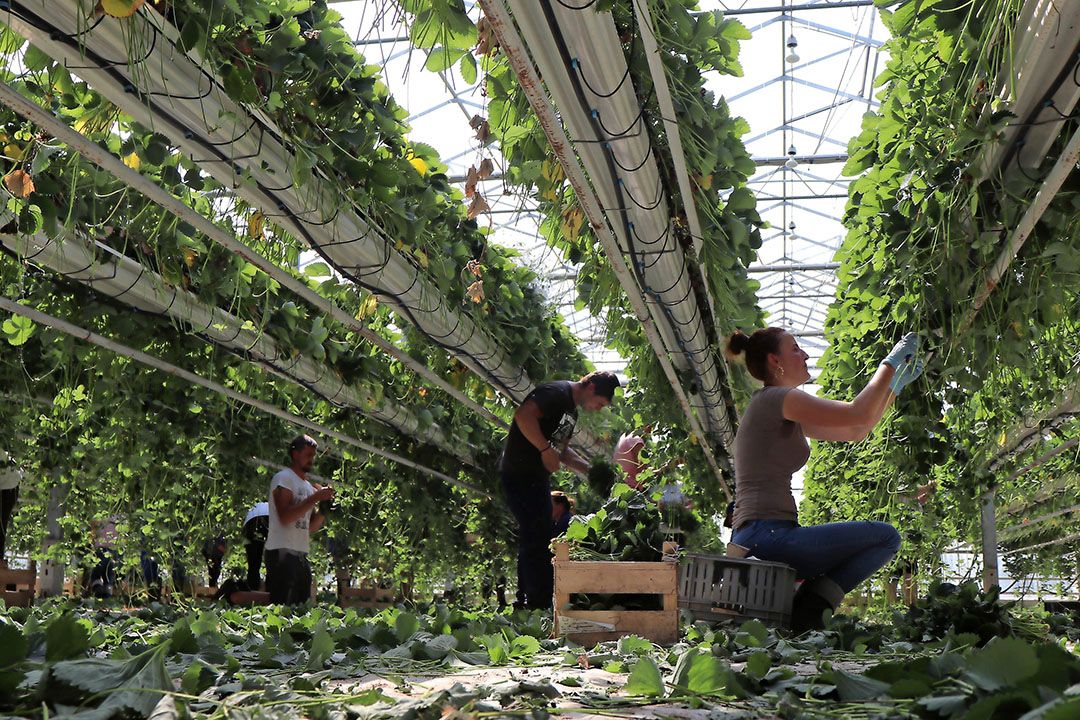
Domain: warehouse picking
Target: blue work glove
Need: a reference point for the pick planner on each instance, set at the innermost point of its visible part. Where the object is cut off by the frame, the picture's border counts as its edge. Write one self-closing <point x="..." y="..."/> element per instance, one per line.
<point x="905" y="375"/>
<point x="903" y="351"/>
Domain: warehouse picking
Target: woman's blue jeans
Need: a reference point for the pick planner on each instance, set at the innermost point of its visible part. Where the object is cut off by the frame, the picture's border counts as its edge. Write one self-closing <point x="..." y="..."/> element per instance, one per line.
<point x="847" y="552"/>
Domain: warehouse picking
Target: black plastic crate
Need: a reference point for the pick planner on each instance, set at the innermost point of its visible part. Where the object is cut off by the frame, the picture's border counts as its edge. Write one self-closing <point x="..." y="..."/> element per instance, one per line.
<point x="715" y="587"/>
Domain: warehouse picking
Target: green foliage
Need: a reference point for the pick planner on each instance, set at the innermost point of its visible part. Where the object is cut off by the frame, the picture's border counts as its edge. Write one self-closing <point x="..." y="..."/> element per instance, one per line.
<point x="963" y="611"/>
<point x="627" y="527"/>
<point x="295" y="62"/>
<point x="924" y="225"/>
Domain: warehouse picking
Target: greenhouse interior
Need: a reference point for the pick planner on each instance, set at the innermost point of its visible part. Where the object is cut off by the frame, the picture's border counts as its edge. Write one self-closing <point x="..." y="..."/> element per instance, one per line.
<point x="470" y="359"/>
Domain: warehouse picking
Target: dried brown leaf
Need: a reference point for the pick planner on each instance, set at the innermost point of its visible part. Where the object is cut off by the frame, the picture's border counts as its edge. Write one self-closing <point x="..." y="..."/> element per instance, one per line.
<point x="19" y="183"/>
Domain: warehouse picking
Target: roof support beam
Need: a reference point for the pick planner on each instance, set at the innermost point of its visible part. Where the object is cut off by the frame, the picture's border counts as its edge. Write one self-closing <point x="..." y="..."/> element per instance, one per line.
<point x="826" y="29"/>
<point x="795" y="267"/>
<point x="779" y="160"/>
<point x="798" y="8"/>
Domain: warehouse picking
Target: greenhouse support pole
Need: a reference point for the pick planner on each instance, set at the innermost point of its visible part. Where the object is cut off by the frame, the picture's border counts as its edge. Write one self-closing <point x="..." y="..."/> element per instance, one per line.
<point x="113" y="165"/>
<point x="989" y="541"/>
<point x="170" y="369"/>
<point x="51" y="573"/>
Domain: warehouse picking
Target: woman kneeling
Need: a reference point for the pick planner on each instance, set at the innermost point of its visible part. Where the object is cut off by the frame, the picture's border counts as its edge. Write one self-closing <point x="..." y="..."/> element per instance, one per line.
<point x="770" y="446"/>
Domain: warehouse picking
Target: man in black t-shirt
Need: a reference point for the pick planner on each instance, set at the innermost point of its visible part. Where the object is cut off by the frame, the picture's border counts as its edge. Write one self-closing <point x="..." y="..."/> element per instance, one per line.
<point x="537" y="446"/>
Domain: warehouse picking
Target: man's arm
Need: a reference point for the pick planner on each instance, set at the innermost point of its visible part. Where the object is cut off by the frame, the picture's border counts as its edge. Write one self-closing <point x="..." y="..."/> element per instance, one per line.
<point x="572" y="460"/>
<point x="289" y="513"/>
<point x="527" y="418"/>
<point x="317" y="521"/>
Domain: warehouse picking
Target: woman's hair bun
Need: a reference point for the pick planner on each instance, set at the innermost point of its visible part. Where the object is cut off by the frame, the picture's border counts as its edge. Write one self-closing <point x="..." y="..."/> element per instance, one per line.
<point x="737" y="344"/>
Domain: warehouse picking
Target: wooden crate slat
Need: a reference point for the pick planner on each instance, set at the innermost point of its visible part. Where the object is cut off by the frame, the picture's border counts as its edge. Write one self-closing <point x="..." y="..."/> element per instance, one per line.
<point x="633" y="577"/>
<point x="646" y="578"/>
<point x="17" y="598"/>
<point x="591" y="626"/>
<point x="26" y="578"/>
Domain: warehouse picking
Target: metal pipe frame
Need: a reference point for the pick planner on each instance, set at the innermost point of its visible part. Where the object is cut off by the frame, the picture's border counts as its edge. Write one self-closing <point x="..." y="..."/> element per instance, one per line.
<point x="780" y="160"/>
<point x="795" y="267"/>
<point x="736" y="12"/>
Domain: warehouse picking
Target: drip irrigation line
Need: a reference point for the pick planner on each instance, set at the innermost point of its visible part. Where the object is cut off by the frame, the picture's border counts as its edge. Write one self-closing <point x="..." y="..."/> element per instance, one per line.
<point x="575" y="64"/>
<point x="190" y="377"/>
<point x="108" y="162"/>
<point x="661" y="196"/>
<point x="1047" y="100"/>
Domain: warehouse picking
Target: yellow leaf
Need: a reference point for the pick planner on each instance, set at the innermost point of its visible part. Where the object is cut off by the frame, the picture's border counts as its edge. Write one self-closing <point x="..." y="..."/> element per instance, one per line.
<point x="1002" y="438"/>
<point x="121" y="8"/>
<point x="476" y="291"/>
<point x="256" y="225"/>
<point x="19" y="183"/>
<point x="367" y="307"/>
<point x="132" y="161"/>
<point x="549" y="194"/>
<point x="421" y="257"/>
<point x="572" y="221"/>
<point x="189" y="257"/>
<point x="552" y="171"/>
<point x="14" y="152"/>
<point x="418" y="164"/>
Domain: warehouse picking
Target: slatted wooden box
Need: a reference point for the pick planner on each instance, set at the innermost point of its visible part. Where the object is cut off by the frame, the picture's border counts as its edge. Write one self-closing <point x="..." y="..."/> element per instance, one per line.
<point x="636" y="578"/>
<point x="25" y="582"/>
<point x="717" y="587"/>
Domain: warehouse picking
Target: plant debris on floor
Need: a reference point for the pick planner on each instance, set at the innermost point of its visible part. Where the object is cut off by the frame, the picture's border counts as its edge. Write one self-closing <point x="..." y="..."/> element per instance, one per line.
<point x="101" y="662"/>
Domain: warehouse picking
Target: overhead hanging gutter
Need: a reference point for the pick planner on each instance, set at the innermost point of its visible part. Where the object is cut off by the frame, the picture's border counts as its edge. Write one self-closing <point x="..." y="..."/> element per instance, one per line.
<point x="608" y="130"/>
<point x="671" y="129"/>
<point x="1037" y="87"/>
<point x="1049" y="189"/>
<point x="113" y="165"/>
<point x="1067" y="404"/>
<point x="511" y="43"/>
<point x="190" y="377"/>
<point x="117" y="276"/>
<point x="170" y="93"/>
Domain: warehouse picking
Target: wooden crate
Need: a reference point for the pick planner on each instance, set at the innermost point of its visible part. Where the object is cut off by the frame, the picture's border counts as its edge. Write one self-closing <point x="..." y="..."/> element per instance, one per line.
<point x="366" y="596"/>
<point x="25" y="582"/>
<point x="592" y="626"/>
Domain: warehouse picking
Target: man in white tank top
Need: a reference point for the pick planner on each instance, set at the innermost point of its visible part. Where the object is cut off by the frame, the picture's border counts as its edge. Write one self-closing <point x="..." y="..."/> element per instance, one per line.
<point x="293" y="518"/>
